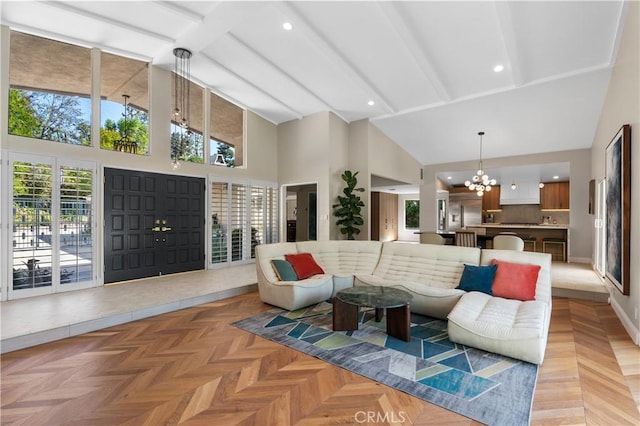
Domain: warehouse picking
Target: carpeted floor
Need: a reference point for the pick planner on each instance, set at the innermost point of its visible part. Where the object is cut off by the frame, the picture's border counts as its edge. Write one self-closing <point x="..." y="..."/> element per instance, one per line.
<point x="486" y="387"/>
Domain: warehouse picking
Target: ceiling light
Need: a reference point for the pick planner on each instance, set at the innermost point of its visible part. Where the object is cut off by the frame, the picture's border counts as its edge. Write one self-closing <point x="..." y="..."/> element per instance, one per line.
<point x="541" y="185"/>
<point x="371" y="103"/>
<point x="449" y="177"/>
<point x="480" y="182"/>
<point x="498" y="68"/>
<point x="513" y="185"/>
<point x="556" y="177"/>
<point x="181" y="87"/>
<point x="288" y="26"/>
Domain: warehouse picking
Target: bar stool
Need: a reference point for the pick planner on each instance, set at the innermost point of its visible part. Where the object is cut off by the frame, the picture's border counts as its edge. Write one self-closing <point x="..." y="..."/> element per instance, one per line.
<point x="529" y="239"/>
<point x="550" y="242"/>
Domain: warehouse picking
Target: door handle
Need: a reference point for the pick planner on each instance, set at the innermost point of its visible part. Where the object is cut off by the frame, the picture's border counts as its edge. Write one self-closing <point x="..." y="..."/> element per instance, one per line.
<point x="165" y="229"/>
<point x="156" y="229"/>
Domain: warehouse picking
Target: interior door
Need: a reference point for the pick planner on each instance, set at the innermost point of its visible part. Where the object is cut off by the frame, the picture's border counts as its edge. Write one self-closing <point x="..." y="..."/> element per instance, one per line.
<point x="154" y="224"/>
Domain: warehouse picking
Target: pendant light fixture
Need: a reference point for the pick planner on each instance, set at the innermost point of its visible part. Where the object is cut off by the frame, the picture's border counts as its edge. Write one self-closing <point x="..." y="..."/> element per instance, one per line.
<point x="480" y="182"/>
<point x="124" y="143"/>
<point x="181" y="97"/>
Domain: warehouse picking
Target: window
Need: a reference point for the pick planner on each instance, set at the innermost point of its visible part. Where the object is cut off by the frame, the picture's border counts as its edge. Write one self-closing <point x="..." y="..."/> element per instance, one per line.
<point x="242" y="217"/>
<point x="187" y="144"/>
<point x="412" y="214"/>
<point x="52" y="221"/>
<point x="124" y="129"/>
<point x="50" y="90"/>
<point x="225" y="132"/>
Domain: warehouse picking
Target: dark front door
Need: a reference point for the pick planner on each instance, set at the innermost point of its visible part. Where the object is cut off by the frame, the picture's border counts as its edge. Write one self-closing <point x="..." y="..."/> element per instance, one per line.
<point x="154" y="224"/>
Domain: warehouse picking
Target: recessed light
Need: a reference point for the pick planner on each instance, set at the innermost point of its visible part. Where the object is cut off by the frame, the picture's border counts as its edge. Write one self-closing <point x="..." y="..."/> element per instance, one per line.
<point x="498" y="68"/>
<point x="371" y="103"/>
<point x="288" y="26"/>
<point x="556" y="177"/>
<point x="449" y="177"/>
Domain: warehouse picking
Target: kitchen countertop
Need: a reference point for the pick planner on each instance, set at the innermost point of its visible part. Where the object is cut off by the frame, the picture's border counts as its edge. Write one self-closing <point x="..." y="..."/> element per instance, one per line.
<point x="515" y="225"/>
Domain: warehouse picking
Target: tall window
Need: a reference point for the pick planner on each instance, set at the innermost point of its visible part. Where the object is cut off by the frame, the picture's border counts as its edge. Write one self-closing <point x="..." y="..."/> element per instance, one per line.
<point x="242" y="216"/>
<point x="187" y="144"/>
<point x="50" y="90"/>
<point x="412" y="214"/>
<point x="225" y="132"/>
<point x="124" y="104"/>
<point x="52" y="225"/>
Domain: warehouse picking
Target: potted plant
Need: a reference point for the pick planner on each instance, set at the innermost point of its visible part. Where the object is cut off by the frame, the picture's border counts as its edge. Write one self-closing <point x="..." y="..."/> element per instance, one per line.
<point x="349" y="207"/>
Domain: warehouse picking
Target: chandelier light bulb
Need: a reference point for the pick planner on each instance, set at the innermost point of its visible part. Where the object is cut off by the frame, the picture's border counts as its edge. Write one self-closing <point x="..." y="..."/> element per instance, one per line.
<point x="175" y="164"/>
<point x="481" y="182"/>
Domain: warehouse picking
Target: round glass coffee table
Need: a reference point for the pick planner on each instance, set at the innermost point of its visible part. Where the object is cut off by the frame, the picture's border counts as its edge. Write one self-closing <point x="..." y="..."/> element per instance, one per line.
<point x="347" y="303"/>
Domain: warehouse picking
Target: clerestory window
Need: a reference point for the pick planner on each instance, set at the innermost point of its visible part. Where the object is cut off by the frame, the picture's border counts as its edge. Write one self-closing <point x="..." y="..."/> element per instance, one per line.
<point x="49" y="90"/>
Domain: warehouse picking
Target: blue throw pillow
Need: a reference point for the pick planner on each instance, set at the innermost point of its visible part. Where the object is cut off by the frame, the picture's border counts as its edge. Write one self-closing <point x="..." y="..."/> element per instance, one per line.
<point x="478" y="278"/>
<point x="284" y="270"/>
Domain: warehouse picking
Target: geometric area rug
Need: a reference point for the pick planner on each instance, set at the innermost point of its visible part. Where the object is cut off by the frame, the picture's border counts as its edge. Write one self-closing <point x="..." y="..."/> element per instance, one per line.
<point x="486" y="387"/>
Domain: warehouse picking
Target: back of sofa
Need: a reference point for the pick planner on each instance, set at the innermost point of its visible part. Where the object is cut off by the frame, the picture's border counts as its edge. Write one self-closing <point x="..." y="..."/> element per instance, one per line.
<point x="543" y="285"/>
<point x="267" y="252"/>
<point x="433" y="265"/>
<point x="343" y="257"/>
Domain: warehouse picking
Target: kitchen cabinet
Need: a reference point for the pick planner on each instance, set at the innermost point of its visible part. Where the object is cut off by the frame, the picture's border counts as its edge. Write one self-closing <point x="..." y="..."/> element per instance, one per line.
<point x="384" y="216"/>
<point x="491" y="199"/>
<point x="554" y="196"/>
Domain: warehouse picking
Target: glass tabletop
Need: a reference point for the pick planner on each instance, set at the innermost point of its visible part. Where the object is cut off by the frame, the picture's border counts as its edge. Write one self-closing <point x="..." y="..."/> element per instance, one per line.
<point x="374" y="296"/>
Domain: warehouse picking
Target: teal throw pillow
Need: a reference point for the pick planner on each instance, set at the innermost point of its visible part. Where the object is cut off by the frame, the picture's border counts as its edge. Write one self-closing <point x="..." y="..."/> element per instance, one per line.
<point x="284" y="270"/>
<point x="478" y="278"/>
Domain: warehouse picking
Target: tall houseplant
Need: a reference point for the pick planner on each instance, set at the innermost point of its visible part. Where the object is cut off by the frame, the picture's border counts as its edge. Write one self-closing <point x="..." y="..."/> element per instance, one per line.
<point x="349" y="207"/>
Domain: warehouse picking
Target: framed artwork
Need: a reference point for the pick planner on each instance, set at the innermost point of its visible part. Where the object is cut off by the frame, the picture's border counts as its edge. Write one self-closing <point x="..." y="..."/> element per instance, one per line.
<point x="618" y="208"/>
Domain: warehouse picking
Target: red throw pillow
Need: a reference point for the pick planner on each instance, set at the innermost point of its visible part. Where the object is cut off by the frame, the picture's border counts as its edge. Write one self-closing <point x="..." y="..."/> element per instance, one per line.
<point x="304" y="265"/>
<point x="515" y="280"/>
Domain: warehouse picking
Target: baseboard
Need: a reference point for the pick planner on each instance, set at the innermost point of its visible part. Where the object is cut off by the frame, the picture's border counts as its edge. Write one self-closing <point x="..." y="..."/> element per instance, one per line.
<point x="580" y="259"/>
<point x="634" y="333"/>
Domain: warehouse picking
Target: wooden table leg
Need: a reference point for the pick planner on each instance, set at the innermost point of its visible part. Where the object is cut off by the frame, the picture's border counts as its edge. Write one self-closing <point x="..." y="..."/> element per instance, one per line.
<point x="345" y="316"/>
<point x="399" y="323"/>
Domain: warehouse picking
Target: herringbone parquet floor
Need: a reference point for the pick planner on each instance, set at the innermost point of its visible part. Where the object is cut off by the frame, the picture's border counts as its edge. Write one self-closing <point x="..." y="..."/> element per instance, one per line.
<point x="192" y="367"/>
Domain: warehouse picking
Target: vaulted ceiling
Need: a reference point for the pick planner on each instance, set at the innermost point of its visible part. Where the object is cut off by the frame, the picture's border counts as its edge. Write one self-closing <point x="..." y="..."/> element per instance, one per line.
<point x="427" y="67"/>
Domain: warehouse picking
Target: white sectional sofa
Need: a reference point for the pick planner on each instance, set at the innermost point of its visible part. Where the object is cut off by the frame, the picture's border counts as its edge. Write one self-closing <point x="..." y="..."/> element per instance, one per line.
<point x="431" y="274"/>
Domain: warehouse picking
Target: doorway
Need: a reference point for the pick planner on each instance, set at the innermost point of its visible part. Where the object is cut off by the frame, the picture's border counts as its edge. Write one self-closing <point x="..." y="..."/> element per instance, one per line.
<point x="300" y="212"/>
<point x="154" y="224"/>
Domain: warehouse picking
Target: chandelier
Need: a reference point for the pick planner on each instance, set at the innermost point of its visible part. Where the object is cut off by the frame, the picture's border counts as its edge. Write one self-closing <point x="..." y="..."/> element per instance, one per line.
<point x="181" y="86"/>
<point x="124" y="143"/>
<point x="480" y="182"/>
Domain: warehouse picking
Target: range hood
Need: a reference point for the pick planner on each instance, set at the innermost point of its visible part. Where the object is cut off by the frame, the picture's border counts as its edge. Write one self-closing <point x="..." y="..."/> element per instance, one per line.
<point x="525" y="192"/>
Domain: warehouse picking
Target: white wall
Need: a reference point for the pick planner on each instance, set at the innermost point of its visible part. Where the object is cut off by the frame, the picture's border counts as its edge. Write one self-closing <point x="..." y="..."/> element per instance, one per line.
<point x="581" y="223"/>
<point x="622" y="106"/>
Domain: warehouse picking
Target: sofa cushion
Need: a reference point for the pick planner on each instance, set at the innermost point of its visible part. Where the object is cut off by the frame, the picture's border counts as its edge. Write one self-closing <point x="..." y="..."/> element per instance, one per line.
<point x="515" y="280"/>
<point x="428" y="264"/>
<point x="504" y="326"/>
<point x="477" y="278"/>
<point x="343" y="257"/>
<point x="304" y="265"/>
<point x="284" y="270"/>
<point x="543" y="284"/>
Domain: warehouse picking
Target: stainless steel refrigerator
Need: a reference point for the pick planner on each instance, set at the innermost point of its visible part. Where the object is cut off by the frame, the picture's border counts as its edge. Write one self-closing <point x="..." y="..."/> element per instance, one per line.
<point x="464" y="212"/>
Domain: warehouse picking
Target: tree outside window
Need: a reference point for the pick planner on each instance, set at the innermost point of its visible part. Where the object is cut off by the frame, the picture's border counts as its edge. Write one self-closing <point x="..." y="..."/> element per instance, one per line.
<point x="49" y="99"/>
<point x="412" y="214"/>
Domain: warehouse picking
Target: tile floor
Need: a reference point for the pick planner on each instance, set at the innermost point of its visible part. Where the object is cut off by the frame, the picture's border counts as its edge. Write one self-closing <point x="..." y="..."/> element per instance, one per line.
<point x="36" y="320"/>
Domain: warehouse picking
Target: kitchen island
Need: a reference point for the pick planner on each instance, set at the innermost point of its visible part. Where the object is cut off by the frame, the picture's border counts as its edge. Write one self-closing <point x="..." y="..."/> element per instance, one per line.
<point x="552" y="239"/>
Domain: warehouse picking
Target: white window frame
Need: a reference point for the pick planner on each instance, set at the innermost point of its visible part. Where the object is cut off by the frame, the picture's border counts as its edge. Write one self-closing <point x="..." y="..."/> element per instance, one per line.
<point x="56" y="287"/>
